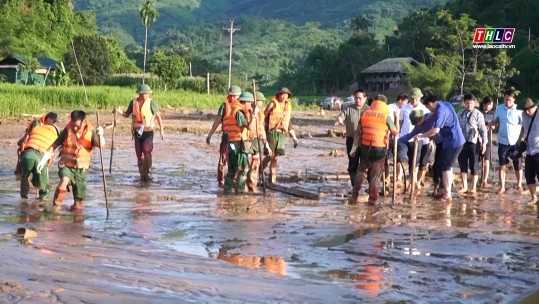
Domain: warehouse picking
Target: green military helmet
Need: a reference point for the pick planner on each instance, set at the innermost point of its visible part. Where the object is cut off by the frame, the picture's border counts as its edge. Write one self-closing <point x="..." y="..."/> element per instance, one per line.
<point x="260" y="96"/>
<point x="416" y="93"/>
<point x="144" y="89"/>
<point x="381" y="98"/>
<point x="247" y="97"/>
<point x="415" y="116"/>
<point x="234" y="90"/>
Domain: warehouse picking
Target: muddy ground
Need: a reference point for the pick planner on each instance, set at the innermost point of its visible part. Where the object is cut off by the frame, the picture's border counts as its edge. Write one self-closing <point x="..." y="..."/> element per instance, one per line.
<point x="178" y="239"/>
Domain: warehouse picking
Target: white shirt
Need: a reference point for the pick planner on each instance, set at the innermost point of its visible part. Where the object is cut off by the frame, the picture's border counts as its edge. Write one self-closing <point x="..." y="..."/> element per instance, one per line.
<point x="407" y="126"/>
<point x="392" y="109"/>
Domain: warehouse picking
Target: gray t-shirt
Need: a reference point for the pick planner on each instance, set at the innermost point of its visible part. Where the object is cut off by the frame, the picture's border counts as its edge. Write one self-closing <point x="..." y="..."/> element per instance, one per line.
<point x="533" y="139"/>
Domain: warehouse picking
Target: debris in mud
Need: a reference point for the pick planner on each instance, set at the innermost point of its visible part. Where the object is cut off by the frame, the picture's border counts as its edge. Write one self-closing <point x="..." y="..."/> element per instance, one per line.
<point x="337" y="153"/>
<point x="26" y="235"/>
<point x="336" y="133"/>
<point x="6" y="286"/>
<point x="6" y="237"/>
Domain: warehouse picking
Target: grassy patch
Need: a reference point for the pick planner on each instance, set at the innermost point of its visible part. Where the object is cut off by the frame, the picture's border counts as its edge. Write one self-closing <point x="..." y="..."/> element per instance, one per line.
<point x="17" y="99"/>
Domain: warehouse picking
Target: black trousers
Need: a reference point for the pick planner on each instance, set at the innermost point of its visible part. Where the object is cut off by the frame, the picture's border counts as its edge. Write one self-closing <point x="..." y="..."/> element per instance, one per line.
<point x="353" y="162"/>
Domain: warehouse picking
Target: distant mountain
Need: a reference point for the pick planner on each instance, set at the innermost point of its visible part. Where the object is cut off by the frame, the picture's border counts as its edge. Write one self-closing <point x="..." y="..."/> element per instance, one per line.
<point x="120" y="17"/>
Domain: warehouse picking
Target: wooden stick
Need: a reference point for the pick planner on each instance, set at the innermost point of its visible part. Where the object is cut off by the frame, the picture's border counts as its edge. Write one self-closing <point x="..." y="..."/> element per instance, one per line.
<point x="112" y="143"/>
<point x="103" y="169"/>
<point x="394" y="170"/>
<point x="294" y="191"/>
<point x="260" y="149"/>
<point x="414" y="172"/>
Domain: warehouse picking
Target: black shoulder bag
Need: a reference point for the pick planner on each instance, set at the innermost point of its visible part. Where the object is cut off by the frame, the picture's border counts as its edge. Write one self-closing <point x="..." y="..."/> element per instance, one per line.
<point x="521" y="147"/>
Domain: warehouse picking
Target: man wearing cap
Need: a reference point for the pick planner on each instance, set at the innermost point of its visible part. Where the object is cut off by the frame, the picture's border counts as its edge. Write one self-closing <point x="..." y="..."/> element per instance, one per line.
<point x="349" y="117"/>
<point x="531" y="167"/>
<point x="256" y="135"/>
<point x="144" y="112"/>
<point x="36" y="144"/>
<point x="237" y="124"/>
<point x="406" y="151"/>
<point x="277" y="125"/>
<point x="509" y="119"/>
<point x="372" y="138"/>
<point x="446" y="123"/>
<point x="233" y="94"/>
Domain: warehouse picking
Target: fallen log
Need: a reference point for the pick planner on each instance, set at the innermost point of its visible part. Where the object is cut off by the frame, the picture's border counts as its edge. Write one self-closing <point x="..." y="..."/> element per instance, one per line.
<point x="294" y="191"/>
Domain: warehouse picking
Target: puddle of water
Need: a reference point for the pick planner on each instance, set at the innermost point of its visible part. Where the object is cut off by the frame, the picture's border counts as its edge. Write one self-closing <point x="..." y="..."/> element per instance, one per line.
<point x="422" y="251"/>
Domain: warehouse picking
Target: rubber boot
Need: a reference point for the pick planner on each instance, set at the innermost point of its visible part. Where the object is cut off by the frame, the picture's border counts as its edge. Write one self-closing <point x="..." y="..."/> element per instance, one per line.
<point x="141" y="171"/>
<point x="25" y="187"/>
<point x="59" y="196"/>
<point x="54" y="206"/>
<point x="77" y="206"/>
<point x="148" y="167"/>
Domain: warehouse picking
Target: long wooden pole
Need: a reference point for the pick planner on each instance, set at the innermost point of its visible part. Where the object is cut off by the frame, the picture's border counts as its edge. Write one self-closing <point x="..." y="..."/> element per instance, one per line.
<point x="103" y="168"/>
<point x="414" y="172"/>
<point x="97" y="113"/>
<point x="112" y="142"/>
<point x="394" y="198"/>
<point x="260" y="168"/>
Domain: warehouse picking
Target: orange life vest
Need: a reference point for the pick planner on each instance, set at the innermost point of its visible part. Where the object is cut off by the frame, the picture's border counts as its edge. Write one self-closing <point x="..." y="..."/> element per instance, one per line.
<point x="142" y="114"/>
<point x="279" y="118"/>
<point x="374" y="125"/>
<point x="40" y="121"/>
<point x="230" y="123"/>
<point x="77" y="151"/>
<point x="260" y="117"/>
<point x="41" y="138"/>
<point x="229" y="100"/>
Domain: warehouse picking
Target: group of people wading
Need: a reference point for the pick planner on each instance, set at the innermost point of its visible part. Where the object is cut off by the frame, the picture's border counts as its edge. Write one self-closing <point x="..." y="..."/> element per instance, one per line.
<point x="248" y="132"/>
<point x="77" y="140"/>
<point x="253" y="137"/>
<point x="422" y="124"/>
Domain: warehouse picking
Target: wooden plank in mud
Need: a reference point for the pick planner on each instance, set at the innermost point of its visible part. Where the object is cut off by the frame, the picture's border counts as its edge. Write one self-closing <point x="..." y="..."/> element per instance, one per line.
<point x="293" y="191"/>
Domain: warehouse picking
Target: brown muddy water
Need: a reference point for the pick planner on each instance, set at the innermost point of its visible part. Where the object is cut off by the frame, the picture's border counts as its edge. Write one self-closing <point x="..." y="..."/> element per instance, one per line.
<point x="178" y="239"/>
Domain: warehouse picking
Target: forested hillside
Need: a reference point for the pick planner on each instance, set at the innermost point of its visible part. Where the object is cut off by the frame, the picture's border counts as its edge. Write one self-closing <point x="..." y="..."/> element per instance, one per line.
<point x="120" y="17"/>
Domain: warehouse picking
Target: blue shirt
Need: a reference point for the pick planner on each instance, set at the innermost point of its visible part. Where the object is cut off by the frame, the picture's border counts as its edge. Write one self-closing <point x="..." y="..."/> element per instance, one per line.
<point x="429" y="123"/>
<point x="510" y="120"/>
<point x="447" y="121"/>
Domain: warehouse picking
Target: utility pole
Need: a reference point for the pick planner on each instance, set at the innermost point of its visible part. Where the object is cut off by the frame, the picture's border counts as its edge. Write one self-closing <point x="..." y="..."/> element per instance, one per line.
<point x="231" y="30"/>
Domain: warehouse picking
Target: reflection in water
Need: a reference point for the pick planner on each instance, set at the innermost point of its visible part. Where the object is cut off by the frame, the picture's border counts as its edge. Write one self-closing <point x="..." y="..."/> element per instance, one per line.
<point x="142" y="220"/>
<point x="273" y="264"/>
<point x="370" y="279"/>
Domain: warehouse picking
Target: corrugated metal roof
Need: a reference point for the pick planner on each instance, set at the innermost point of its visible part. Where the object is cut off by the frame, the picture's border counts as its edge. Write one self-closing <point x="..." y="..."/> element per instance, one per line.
<point x="390" y="65"/>
<point x="44" y="62"/>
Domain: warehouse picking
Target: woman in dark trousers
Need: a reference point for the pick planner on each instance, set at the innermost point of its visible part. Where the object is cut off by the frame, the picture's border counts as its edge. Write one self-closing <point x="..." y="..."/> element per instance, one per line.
<point x="486" y="108"/>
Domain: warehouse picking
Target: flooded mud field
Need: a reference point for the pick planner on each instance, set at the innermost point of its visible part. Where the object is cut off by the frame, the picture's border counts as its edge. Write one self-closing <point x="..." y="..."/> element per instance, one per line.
<point x="179" y="239"/>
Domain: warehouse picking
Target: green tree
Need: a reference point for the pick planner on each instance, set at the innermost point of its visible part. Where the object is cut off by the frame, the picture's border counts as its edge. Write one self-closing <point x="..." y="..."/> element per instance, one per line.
<point x="121" y="63"/>
<point x="148" y="13"/>
<point x="436" y="78"/>
<point x="170" y="68"/>
<point x="455" y="50"/>
<point x="94" y="58"/>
